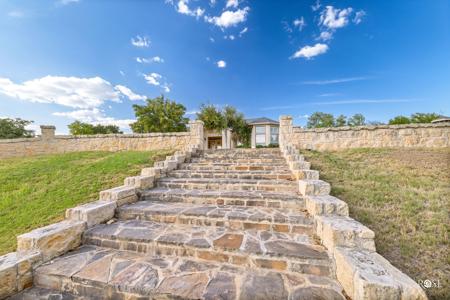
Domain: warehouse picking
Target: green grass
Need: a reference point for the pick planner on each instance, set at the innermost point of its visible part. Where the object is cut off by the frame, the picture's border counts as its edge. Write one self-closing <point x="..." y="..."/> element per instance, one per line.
<point x="36" y="191"/>
<point x="403" y="195"/>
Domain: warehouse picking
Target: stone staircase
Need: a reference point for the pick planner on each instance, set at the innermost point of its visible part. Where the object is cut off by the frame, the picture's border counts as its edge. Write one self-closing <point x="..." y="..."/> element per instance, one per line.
<point x="229" y="224"/>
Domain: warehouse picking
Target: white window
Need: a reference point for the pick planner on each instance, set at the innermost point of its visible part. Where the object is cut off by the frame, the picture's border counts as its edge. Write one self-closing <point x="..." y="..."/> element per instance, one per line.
<point x="260" y="135"/>
<point x="273" y="134"/>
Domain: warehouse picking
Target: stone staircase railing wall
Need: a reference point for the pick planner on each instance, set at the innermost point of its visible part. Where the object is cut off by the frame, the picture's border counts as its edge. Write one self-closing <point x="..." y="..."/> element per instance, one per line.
<point x="49" y="143"/>
<point x="362" y="272"/>
<point x="380" y="136"/>
<point x="44" y="244"/>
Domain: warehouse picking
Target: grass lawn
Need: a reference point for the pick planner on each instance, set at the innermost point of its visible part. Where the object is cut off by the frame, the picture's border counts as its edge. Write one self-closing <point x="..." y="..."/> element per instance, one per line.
<point x="403" y="195"/>
<point x="36" y="191"/>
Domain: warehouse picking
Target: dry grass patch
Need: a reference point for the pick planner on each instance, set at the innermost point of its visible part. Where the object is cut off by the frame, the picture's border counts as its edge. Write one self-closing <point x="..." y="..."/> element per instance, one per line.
<point x="404" y="196"/>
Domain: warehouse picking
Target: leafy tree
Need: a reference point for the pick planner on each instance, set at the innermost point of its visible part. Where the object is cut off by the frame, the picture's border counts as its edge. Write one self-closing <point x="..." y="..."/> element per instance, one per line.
<point x="236" y="121"/>
<point x="229" y="117"/>
<point x="80" y="128"/>
<point x="399" y="120"/>
<point x="341" y="120"/>
<point x="14" y="128"/>
<point x="423" y="117"/>
<point x="212" y="117"/>
<point x="320" y="119"/>
<point x="356" y="120"/>
<point x="159" y="115"/>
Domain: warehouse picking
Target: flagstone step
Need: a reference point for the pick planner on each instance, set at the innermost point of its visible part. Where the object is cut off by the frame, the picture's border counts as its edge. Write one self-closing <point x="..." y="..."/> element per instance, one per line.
<point x="286" y="175"/>
<point x="249" y="248"/>
<point x="228" y="216"/>
<point x="232" y="166"/>
<point x="223" y="197"/>
<point x="229" y="184"/>
<point x="256" y="160"/>
<point x="98" y="273"/>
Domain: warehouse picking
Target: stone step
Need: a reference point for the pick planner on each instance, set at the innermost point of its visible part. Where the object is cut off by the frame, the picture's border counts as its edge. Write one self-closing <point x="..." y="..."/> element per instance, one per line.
<point x="223" y="197"/>
<point x="228" y="216"/>
<point x="248" y="248"/>
<point x="256" y="160"/>
<point x="243" y="155"/>
<point x="232" y="166"/>
<point x="242" y="151"/>
<point x="287" y="175"/>
<point x="229" y="184"/>
<point x="99" y="273"/>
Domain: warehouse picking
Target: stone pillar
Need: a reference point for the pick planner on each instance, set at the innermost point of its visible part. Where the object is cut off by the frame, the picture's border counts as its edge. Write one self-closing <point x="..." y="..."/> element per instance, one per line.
<point x="48" y="132"/>
<point x="197" y="134"/>
<point x="286" y="129"/>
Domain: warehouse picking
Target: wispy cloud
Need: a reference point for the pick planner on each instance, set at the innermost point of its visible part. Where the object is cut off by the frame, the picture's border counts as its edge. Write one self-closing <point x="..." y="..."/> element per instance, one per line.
<point x="140" y="42"/>
<point x="334" y="81"/>
<point x="73" y="92"/>
<point x="329" y="94"/>
<point x="341" y="102"/>
<point x="221" y="64"/>
<point x="67" y="2"/>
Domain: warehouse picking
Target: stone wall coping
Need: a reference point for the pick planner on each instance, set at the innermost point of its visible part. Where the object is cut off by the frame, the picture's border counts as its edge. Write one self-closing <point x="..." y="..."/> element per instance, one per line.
<point x="374" y="127"/>
<point x="128" y="135"/>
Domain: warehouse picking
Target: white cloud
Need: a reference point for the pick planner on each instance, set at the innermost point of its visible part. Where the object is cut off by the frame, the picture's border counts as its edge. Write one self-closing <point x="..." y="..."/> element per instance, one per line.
<point x="154" y="59"/>
<point x="66" y="2"/>
<point x="359" y="15"/>
<point x="184" y="9"/>
<point x="310" y="51"/>
<point x="221" y="64"/>
<point x="67" y="91"/>
<point x="157" y="80"/>
<point x="241" y="33"/>
<point x="325" y="36"/>
<point x="229" y="37"/>
<point x="300" y="23"/>
<point x="229" y="18"/>
<point x="153" y="78"/>
<point x="95" y="116"/>
<point x="342" y="102"/>
<point x="192" y="112"/>
<point x="122" y="73"/>
<point x="129" y="93"/>
<point x="316" y="6"/>
<point x="232" y="3"/>
<point x="212" y="40"/>
<point x="140" y="42"/>
<point x="334" y="18"/>
<point x="333" y="81"/>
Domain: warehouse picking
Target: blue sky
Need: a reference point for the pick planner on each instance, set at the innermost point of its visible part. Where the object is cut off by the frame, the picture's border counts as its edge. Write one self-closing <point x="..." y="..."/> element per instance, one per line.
<point x="62" y="60"/>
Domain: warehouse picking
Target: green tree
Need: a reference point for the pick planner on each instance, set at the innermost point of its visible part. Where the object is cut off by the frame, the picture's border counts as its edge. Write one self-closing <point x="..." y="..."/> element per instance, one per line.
<point x="80" y="128"/>
<point x="423" y="117"/>
<point x="399" y="120"/>
<point x="341" y="120"/>
<point x="236" y="121"/>
<point x="320" y="119"/>
<point x="159" y="115"/>
<point x="212" y="117"/>
<point x="14" y="128"/>
<point x="356" y="120"/>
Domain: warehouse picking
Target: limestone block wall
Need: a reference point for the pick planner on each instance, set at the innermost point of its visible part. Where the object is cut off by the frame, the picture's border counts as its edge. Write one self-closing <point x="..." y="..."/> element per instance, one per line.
<point x="48" y="143"/>
<point x="382" y="136"/>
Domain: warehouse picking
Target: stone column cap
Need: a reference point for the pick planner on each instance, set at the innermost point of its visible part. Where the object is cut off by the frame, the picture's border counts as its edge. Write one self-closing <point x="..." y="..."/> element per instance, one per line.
<point x="47" y="127"/>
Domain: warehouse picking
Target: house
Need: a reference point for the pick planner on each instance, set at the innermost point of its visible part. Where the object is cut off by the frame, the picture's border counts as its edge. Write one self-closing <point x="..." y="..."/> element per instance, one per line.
<point x="441" y="119"/>
<point x="218" y="139"/>
<point x="265" y="131"/>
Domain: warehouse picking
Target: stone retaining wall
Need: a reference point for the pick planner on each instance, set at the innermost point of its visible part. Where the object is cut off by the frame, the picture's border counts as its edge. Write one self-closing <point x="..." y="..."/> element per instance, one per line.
<point x="382" y="136"/>
<point x="48" y="143"/>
